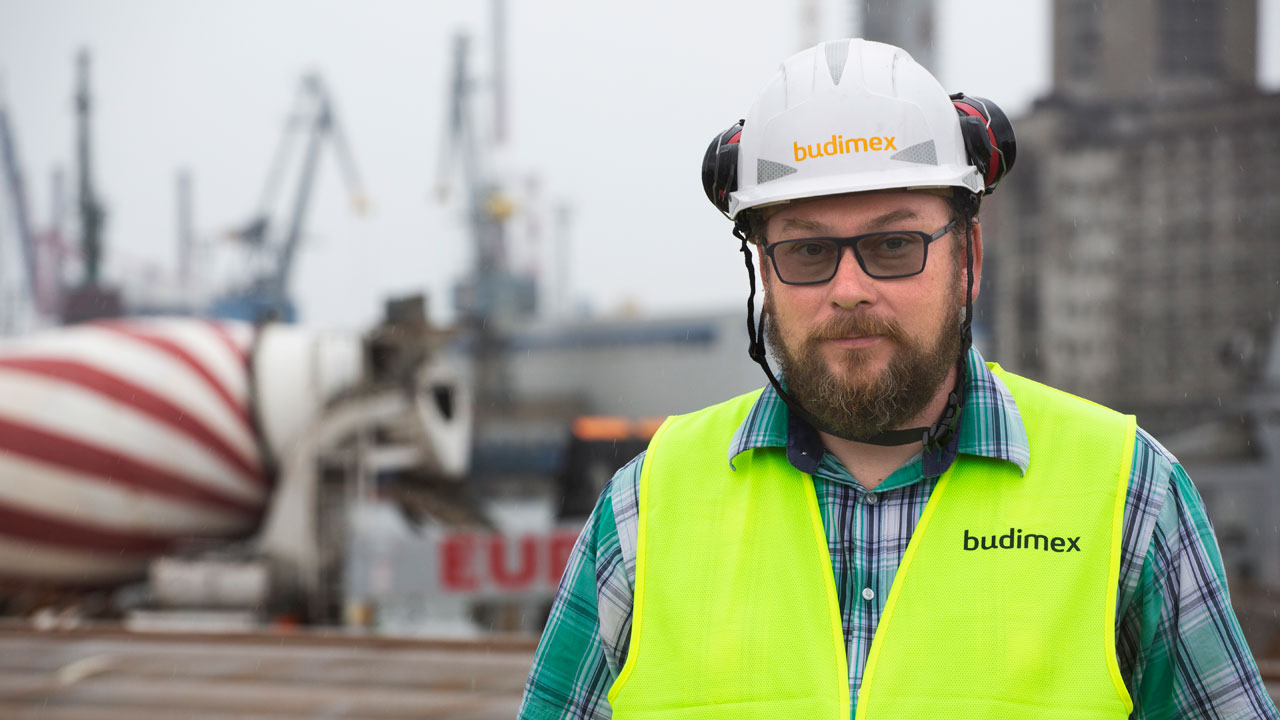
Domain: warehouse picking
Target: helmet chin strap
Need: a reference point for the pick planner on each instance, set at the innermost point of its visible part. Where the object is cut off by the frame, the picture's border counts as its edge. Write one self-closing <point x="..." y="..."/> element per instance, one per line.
<point x="934" y="437"/>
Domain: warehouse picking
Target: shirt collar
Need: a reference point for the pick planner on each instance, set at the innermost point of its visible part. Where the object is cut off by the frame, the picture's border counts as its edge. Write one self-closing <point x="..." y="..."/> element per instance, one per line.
<point x="990" y="426"/>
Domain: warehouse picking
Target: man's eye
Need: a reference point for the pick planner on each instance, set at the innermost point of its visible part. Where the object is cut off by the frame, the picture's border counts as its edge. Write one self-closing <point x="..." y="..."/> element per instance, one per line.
<point x="809" y="249"/>
<point x="893" y="243"/>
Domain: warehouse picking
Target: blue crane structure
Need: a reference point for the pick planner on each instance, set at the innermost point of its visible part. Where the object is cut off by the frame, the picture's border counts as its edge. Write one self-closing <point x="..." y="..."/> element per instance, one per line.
<point x="15" y="183"/>
<point x="18" y="199"/>
<point x="266" y="296"/>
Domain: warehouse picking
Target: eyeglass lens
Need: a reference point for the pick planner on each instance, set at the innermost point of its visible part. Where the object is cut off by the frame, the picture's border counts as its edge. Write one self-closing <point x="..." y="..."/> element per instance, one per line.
<point x="883" y="255"/>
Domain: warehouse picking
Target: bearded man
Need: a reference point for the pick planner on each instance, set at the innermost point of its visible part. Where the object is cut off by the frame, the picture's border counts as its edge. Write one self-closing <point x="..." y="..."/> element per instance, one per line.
<point x="892" y="528"/>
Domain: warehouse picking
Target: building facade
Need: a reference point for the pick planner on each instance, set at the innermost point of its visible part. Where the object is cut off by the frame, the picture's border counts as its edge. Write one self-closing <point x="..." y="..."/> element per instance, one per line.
<point x="1133" y="250"/>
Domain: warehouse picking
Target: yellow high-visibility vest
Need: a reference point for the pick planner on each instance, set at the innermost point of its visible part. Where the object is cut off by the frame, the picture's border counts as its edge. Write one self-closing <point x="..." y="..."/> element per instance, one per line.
<point x="1004" y="605"/>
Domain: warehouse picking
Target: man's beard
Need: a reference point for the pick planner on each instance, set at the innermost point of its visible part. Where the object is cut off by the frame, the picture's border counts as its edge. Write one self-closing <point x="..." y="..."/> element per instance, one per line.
<point x="853" y="404"/>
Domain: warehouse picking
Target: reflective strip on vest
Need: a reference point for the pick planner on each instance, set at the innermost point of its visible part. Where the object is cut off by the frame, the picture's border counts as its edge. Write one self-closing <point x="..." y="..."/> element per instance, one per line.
<point x="1003" y="607"/>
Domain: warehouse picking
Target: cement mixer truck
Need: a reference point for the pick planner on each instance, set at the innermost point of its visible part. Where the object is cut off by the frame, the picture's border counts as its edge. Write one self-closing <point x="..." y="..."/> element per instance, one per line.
<point x="126" y="440"/>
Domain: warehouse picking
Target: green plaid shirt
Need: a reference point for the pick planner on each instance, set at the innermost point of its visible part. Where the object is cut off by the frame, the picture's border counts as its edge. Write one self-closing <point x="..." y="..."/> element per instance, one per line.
<point x="1180" y="647"/>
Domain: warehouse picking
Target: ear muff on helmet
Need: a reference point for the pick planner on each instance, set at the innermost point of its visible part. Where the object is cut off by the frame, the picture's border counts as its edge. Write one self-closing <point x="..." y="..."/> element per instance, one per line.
<point x="988" y="137"/>
<point x="720" y="167"/>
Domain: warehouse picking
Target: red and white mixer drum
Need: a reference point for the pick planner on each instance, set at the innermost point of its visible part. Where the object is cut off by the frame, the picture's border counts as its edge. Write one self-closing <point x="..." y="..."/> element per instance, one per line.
<point x="119" y="438"/>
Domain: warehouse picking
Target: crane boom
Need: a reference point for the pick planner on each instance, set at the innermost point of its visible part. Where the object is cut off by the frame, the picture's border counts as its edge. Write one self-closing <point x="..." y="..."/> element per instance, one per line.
<point x="268" y="294"/>
<point x="322" y="122"/>
<point x="18" y="200"/>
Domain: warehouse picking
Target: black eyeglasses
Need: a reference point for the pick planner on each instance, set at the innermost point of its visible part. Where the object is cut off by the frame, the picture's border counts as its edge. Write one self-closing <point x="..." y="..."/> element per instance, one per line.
<point x="881" y="255"/>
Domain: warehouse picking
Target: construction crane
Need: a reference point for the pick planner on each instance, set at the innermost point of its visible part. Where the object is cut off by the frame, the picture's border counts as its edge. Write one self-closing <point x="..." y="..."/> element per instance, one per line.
<point x="91" y="298"/>
<point x="13" y="180"/>
<point x="493" y="294"/>
<point x="42" y="253"/>
<point x="266" y="296"/>
<point x="92" y="216"/>
<point x="492" y="298"/>
<point x="486" y="296"/>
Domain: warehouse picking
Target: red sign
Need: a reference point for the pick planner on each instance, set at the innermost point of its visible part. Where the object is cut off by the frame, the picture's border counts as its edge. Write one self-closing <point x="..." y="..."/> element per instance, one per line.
<point x="472" y="562"/>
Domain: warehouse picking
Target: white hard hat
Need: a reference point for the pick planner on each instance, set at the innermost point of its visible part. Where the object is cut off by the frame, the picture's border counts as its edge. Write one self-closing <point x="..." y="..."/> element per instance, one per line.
<point x="849" y="116"/>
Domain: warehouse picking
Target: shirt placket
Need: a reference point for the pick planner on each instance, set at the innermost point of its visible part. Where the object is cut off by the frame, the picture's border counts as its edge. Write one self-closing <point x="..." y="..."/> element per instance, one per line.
<point x="868" y="533"/>
<point x="854" y="537"/>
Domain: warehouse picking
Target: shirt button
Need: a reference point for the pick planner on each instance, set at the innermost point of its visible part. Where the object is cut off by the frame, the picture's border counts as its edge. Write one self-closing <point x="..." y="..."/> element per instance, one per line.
<point x="868" y="594"/>
<point x="872" y="498"/>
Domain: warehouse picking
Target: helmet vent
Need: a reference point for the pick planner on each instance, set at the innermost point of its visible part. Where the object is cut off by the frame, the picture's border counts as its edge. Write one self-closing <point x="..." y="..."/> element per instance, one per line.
<point x="768" y="170"/>
<point x="837" y="55"/>
<point x="922" y="153"/>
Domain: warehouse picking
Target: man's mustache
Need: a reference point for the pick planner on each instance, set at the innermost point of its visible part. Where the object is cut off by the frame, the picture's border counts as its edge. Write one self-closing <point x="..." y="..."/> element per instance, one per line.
<point x="856" y="325"/>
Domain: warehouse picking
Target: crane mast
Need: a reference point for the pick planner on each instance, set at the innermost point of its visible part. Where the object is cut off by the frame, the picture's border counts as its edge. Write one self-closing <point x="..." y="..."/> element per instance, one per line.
<point x="90" y="299"/>
<point x="92" y="215"/>
<point x="493" y="295"/>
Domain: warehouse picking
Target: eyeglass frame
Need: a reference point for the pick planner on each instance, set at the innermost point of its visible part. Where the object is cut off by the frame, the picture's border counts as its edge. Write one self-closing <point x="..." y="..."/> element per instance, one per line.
<point x="852" y="242"/>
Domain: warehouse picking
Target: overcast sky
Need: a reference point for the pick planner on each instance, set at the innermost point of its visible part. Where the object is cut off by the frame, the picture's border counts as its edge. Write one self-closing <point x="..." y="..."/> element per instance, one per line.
<point x="611" y="107"/>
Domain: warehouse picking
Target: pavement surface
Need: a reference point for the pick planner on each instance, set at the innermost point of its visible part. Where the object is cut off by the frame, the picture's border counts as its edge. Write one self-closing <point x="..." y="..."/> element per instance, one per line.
<point x="115" y="675"/>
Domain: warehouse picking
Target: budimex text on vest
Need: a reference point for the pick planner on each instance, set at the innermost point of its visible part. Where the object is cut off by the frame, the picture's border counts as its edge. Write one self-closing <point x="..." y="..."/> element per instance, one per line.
<point x="1015" y="539"/>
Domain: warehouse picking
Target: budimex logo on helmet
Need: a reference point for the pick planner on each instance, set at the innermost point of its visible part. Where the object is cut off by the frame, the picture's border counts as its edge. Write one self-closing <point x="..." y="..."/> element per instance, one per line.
<point x="839" y="145"/>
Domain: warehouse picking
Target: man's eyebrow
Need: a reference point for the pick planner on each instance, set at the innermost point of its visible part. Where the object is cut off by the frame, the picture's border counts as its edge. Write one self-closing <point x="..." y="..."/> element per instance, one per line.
<point x="802" y="224"/>
<point x="891" y="217"/>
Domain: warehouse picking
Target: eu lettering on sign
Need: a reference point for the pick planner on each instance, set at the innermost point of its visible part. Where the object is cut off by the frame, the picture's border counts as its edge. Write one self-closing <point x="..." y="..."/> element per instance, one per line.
<point x="491" y="564"/>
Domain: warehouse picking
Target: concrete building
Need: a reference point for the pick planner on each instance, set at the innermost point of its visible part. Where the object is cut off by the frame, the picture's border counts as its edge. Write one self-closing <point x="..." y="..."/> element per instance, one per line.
<point x="1133" y="255"/>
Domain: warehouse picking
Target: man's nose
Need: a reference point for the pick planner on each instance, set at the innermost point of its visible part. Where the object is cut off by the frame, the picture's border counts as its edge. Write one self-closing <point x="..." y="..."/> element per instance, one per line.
<point x="851" y="285"/>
